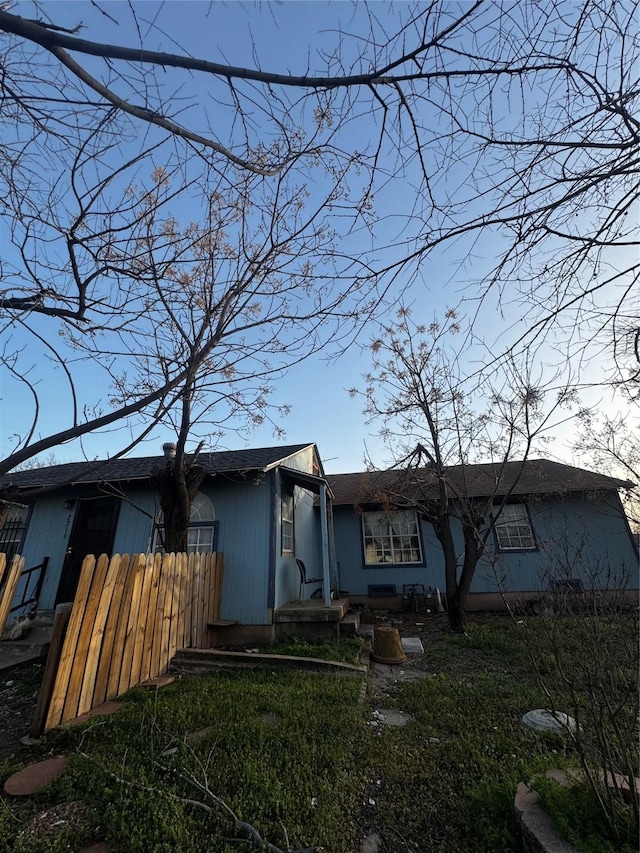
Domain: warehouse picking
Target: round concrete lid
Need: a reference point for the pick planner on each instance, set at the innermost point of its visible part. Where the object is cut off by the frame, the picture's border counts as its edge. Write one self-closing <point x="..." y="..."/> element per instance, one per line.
<point x="541" y="719"/>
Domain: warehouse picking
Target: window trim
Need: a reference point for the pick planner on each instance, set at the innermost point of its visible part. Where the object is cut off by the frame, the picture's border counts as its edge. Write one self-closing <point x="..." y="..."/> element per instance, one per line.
<point x="521" y="549"/>
<point x="288" y="499"/>
<point x="207" y="523"/>
<point x="399" y="565"/>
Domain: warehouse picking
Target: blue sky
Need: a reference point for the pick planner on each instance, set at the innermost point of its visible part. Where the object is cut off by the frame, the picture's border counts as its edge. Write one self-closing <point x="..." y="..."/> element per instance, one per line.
<point x="284" y="38"/>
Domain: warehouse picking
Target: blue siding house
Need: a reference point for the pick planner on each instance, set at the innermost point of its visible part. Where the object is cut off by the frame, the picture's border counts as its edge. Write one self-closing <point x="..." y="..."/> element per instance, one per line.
<point x="260" y="508"/>
<point x="561" y="528"/>
<point x="269" y="510"/>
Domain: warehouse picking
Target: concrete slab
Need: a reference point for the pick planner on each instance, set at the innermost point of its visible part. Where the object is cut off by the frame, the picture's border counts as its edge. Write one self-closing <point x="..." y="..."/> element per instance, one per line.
<point x="392" y="717"/>
<point x="312" y="611"/>
<point x="543" y="719"/>
<point x="350" y="625"/>
<point x="372" y="843"/>
<point x="412" y="646"/>
<point x="32" y="647"/>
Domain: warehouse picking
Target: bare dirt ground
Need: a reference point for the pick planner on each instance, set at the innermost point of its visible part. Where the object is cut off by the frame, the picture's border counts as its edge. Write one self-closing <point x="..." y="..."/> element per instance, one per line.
<point x="18" y="694"/>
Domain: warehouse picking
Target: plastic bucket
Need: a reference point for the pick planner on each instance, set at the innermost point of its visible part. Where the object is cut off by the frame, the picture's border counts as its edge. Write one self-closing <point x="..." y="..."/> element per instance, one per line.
<point x="387" y="646"/>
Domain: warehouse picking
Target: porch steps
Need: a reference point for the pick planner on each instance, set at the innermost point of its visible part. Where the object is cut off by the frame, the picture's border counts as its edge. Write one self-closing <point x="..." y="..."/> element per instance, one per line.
<point x="350" y="625"/>
<point x="312" y="611"/>
<point x="32" y="647"/>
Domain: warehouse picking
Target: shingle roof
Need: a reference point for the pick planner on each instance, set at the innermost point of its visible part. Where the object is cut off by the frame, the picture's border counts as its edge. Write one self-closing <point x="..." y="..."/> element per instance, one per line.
<point x="218" y="462"/>
<point x="538" y="476"/>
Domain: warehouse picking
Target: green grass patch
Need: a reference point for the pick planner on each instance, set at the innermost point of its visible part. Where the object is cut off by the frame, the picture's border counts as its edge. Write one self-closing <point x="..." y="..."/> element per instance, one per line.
<point x="576" y="816"/>
<point x="344" y="651"/>
<point x="450" y="778"/>
<point x="278" y="747"/>
<point x="289" y="750"/>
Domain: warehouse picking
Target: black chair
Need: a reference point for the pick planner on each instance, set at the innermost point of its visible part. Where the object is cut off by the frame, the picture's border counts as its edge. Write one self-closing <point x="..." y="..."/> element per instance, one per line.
<point x="304" y="579"/>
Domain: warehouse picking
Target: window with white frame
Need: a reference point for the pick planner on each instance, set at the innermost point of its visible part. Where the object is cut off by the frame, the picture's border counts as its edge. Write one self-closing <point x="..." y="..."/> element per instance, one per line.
<point x="287" y="522"/>
<point x="391" y="537"/>
<point x="513" y="529"/>
<point x="201" y="531"/>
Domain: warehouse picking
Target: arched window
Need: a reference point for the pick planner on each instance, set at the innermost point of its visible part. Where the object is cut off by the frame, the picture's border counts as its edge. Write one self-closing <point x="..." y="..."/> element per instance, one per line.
<point x="201" y="535"/>
<point x="202" y="526"/>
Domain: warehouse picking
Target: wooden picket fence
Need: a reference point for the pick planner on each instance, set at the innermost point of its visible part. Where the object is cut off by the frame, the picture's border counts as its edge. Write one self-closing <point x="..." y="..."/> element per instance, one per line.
<point x="9" y="588"/>
<point x="130" y="616"/>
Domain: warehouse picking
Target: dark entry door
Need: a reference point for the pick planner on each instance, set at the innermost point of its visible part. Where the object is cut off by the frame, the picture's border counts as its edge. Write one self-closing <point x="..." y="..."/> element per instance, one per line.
<point x="93" y="532"/>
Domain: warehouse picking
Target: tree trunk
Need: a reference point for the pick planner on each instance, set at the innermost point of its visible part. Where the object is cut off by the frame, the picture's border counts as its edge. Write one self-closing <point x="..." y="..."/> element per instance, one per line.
<point x="177" y="487"/>
<point x="454" y="610"/>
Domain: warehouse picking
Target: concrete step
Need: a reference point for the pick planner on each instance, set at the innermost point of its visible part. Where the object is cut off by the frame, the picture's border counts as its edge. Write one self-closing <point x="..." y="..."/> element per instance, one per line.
<point x="33" y="646"/>
<point x="350" y="625"/>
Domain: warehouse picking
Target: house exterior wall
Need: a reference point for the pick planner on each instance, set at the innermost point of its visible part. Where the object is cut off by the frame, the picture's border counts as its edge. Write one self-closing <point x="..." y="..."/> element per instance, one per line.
<point x="575" y="536"/>
<point x="134" y="532"/>
<point x="244" y="514"/>
<point x="257" y="577"/>
<point x="355" y="578"/>
<point x="47" y="535"/>
<point x="585" y="538"/>
<point x="241" y="509"/>
<point x="307" y="544"/>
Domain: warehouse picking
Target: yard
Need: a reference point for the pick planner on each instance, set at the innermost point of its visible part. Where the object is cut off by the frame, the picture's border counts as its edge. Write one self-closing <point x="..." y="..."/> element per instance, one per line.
<point x="306" y="760"/>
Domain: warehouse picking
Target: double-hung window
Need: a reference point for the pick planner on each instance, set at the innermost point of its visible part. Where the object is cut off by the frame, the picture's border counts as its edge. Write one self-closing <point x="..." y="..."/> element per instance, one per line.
<point x="513" y="529"/>
<point x="391" y="537"/>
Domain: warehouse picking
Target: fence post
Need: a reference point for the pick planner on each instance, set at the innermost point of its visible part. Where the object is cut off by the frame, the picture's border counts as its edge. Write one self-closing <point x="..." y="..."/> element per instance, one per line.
<point x="65" y="668"/>
<point x="60" y="621"/>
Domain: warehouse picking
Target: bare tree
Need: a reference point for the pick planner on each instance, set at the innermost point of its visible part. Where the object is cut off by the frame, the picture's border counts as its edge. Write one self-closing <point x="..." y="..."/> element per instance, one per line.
<point x="513" y="122"/>
<point x="182" y="323"/>
<point x="612" y="445"/>
<point x="437" y="425"/>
